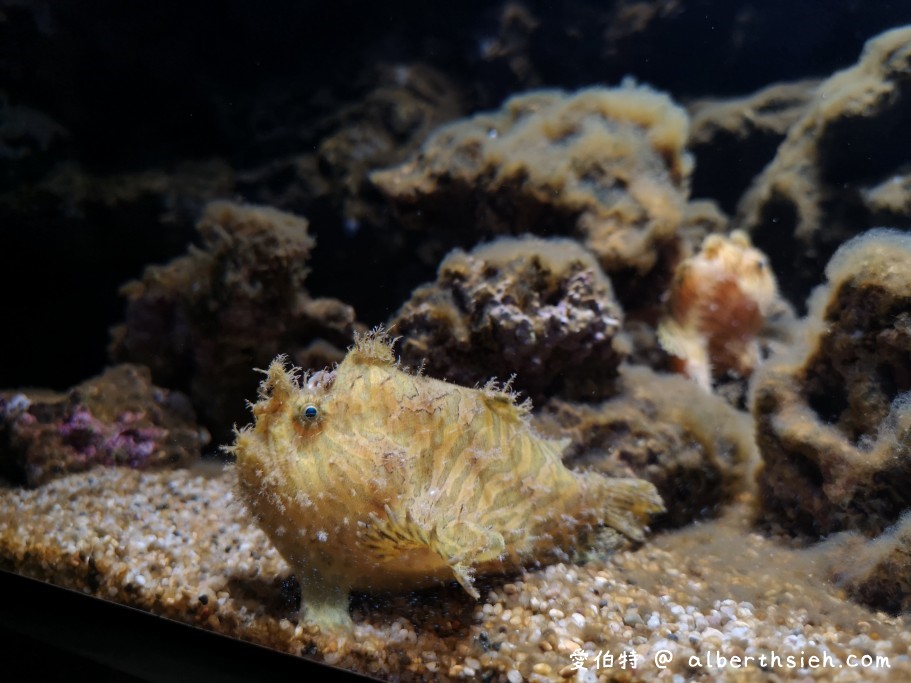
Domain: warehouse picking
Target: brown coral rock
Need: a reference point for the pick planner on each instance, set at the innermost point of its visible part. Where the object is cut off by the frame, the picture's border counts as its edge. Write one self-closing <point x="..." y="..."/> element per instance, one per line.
<point x="117" y="418"/>
<point x="204" y="320"/>
<point x="810" y="198"/>
<point x="173" y="195"/>
<point x="696" y="449"/>
<point x="541" y="309"/>
<point x="605" y="165"/>
<point x="889" y="202"/>
<point x="384" y="128"/>
<point x="833" y="416"/>
<point x="735" y="138"/>
<point x="878" y="572"/>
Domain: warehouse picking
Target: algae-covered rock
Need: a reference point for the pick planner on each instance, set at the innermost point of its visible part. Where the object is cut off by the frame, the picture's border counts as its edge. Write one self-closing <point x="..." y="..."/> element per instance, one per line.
<point x="877" y="572"/>
<point x="540" y="309"/>
<point x="606" y="165"/>
<point x="117" y="418"/>
<point x="735" y="138"/>
<point x="696" y="449"/>
<point x="383" y="128"/>
<point x="854" y="135"/>
<point x="833" y="415"/>
<point x="204" y="320"/>
<point x="889" y="201"/>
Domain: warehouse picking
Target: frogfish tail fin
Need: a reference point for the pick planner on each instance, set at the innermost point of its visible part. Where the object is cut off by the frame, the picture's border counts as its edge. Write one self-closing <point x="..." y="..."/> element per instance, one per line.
<point x="629" y="503"/>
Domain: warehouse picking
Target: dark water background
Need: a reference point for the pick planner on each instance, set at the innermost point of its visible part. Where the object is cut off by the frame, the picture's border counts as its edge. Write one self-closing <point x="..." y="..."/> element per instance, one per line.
<point x="139" y="86"/>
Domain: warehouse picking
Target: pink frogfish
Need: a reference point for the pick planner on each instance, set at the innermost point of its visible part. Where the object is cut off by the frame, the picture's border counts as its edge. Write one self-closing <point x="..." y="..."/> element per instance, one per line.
<point x="368" y="477"/>
<point x="718" y="303"/>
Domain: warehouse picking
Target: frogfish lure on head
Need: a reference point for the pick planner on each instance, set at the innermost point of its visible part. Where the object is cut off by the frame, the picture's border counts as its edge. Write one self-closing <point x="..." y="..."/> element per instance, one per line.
<point x="372" y="478"/>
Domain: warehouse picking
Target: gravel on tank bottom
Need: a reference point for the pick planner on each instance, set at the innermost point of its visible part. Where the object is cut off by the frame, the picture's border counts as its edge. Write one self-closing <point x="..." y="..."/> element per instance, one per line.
<point x="178" y="544"/>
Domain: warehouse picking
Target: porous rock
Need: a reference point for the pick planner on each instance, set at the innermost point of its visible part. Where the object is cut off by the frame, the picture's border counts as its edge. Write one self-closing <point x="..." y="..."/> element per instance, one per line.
<point x="696" y="449"/>
<point x="855" y="134"/>
<point x="734" y="138"/>
<point x="117" y="418"/>
<point x="540" y="309"/>
<point x="877" y="572"/>
<point x="605" y="165"/>
<point x="889" y="202"/>
<point x="203" y="321"/>
<point x="833" y="414"/>
<point x="384" y="128"/>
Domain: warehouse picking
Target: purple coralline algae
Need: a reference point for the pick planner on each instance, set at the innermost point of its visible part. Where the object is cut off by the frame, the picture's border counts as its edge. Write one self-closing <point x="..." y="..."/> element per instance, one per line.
<point x="118" y="418"/>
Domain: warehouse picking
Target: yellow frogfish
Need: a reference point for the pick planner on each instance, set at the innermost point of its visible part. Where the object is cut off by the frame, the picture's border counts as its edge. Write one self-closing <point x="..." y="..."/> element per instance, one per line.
<point x="718" y="303"/>
<point x="368" y="477"/>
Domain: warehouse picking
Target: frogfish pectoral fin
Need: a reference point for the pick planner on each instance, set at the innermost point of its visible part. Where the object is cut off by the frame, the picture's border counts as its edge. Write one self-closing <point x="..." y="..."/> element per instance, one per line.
<point x="688" y="350"/>
<point x="389" y="537"/>
<point x="460" y="544"/>
<point x="464" y="574"/>
<point x="463" y="545"/>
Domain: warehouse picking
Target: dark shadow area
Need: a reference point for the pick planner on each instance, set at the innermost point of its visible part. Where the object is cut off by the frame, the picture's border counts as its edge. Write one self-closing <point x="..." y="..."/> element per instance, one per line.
<point x="111" y="642"/>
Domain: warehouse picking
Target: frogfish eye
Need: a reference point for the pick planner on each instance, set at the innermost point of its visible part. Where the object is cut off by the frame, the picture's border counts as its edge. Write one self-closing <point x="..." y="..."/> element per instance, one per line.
<point x="310" y="413"/>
